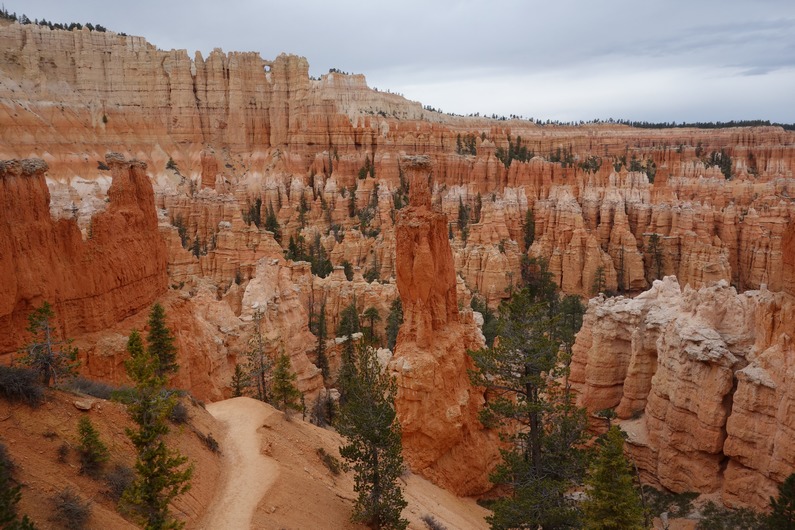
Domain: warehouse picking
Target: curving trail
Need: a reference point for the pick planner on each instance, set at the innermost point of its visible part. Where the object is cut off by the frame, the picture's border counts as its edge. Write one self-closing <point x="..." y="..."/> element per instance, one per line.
<point x="247" y="473"/>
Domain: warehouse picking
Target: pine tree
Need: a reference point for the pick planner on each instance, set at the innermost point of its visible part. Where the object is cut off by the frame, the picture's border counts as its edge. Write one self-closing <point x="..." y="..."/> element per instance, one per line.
<point x="371" y="316"/>
<point x="258" y="362"/>
<point x="393" y="322"/>
<point x="272" y="223"/>
<point x="489" y="328"/>
<point x="463" y="219"/>
<point x="369" y="423"/>
<point x="529" y="228"/>
<point x="349" y="324"/>
<point x="161" y="473"/>
<point x="240" y="381"/>
<point x="599" y="282"/>
<point x="655" y="252"/>
<point x="196" y="247"/>
<point x="161" y="343"/>
<point x="319" y="329"/>
<point x="10" y="494"/>
<point x="373" y="273"/>
<point x="318" y="258"/>
<point x="352" y="201"/>
<point x="782" y="509"/>
<point x="613" y="503"/>
<point x="348" y="269"/>
<point x="527" y="380"/>
<point x="284" y="394"/>
<point x="93" y="452"/>
<point x="46" y="354"/>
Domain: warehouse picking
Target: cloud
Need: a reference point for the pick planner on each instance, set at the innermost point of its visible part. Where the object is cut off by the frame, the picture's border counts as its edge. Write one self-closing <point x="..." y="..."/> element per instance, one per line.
<point x="672" y="59"/>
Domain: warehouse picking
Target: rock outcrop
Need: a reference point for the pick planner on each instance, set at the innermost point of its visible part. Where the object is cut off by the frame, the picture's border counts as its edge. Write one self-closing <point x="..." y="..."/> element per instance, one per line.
<point x="709" y="374"/>
<point x="436" y="403"/>
<point x="92" y="284"/>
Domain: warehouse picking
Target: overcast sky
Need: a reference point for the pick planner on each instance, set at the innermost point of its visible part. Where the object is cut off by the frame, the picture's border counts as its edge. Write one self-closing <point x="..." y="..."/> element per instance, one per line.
<point x="655" y="60"/>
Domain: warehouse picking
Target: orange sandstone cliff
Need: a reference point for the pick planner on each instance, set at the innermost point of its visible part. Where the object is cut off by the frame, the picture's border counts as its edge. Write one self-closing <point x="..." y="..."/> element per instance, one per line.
<point x="117" y="271"/>
<point x="436" y="404"/>
<point x="705" y="380"/>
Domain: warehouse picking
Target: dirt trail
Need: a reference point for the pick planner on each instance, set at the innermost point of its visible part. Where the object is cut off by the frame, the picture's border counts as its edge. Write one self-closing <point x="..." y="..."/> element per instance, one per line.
<point x="247" y="472"/>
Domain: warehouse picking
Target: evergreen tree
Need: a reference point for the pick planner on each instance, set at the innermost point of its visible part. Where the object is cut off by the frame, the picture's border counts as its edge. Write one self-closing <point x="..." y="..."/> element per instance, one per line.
<point x="529" y="396"/>
<point x="655" y="252"/>
<point x="284" y="394"/>
<point x="258" y="363"/>
<point x="348" y="268"/>
<point x="538" y="280"/>
<point x="782" y="509"/>
<point x="599" y="281"/>
<point x="318" y="327"/>
<point x="240" y="381"/>
<point x="393" y="322"/>
<point x="478" y="207"/>
<point x="161" y="343"/>
<point x="373" y="273"/>
<point x="296" y="249"/>
<point x="161" y="473"/>
<point x="196" y="247"/>
<point x="369" y="423"/>
<point x="613" y="503"/>
<point x="372" y="316"/>
<point x="318" y="258"/>
<point x="46" y="354"/>
<point x="529" y="228"/>
<point x="256" y="212"/>
<point x="352" y="202"/>
<point x="303" y="208"/>
<point x="272" y="223"/>
<point x="489" y="329"/>
<point x="93" y="452"/>
<point x="349" y="324"/>
<point x="10" y="494"/>
<point x="463" y="219"/>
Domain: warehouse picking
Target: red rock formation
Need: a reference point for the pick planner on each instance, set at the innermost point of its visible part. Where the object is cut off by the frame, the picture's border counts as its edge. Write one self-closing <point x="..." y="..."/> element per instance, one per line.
<point x="436" y="404"/>
<point x="425" y="274"/>
<point x="711" y="373"/>
<point x="92" y="284"/>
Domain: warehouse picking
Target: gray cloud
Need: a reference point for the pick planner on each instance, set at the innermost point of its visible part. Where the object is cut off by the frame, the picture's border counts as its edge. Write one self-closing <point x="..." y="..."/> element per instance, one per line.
<point x="571" y="59"/>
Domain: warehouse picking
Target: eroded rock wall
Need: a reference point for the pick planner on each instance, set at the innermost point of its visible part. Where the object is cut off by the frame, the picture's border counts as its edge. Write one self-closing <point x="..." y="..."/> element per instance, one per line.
<point x="117" y="271"/>
<point x="705" y="379"/>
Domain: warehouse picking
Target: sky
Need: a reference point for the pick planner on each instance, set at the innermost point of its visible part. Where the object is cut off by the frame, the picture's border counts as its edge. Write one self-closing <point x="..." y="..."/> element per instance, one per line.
<point x="567" y="60"/>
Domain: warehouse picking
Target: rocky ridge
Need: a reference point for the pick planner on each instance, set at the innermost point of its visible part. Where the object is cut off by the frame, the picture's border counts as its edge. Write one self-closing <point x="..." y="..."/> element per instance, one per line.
<point x="703" y="378"/>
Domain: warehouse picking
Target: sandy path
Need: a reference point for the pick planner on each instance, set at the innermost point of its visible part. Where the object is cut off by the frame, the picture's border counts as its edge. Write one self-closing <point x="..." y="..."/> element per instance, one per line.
<point x="247" y="473"/>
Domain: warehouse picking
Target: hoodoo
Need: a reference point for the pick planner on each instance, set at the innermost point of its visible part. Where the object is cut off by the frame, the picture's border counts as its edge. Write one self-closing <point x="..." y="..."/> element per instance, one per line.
<point x="437" y="406"/>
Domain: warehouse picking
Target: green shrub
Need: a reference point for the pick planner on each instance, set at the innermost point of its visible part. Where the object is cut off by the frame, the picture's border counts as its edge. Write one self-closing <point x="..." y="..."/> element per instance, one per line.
<point x="93" y="452"/>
